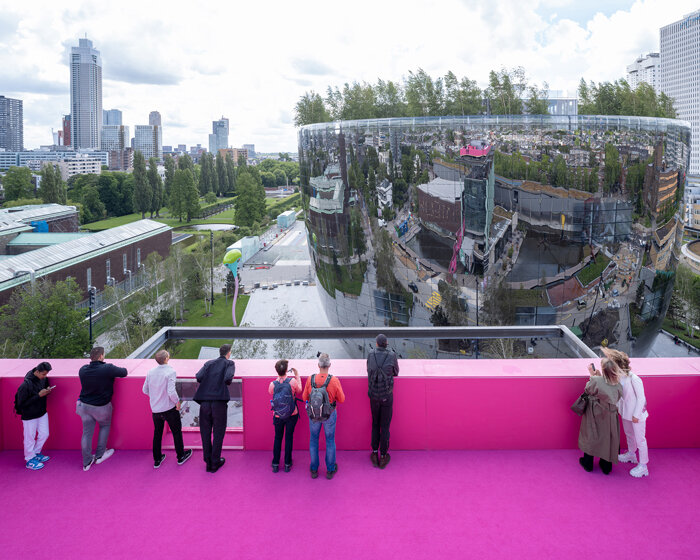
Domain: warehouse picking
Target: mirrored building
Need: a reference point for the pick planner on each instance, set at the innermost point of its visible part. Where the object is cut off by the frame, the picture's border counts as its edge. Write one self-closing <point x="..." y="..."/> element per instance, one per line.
<point x="497" y="220"/>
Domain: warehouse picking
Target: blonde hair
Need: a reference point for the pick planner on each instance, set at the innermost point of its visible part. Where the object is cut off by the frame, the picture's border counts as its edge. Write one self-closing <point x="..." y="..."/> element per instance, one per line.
<point x="621" y="359"/>
<point x="610" y="371"/>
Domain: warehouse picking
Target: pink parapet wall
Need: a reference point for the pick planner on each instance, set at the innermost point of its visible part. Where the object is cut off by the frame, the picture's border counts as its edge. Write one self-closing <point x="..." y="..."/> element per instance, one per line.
<point x="438" y="404"/>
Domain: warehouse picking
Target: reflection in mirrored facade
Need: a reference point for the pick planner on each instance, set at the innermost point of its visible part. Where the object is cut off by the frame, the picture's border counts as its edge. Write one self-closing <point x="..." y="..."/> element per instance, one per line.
<point x="524" y="220"/>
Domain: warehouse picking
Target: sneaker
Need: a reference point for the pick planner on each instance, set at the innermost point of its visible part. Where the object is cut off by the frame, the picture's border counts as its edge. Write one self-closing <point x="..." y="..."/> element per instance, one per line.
<point x="92" y="462"/>
<point x="275" y="468"/>
<point x="639" y="471"/>
<point x="314" y="474"/>
<point x="287" y="468"/>
<point x="185" y="457"/>
<point x="41" y="458"/>
<point x="331" y="474"/>
<point x="629" y="457"/>
<point x="384" y="461"/>
<point x="107" y="454"/>
<point x="159" y="462"/>
<point x="374" y="457"/>
<point x="34" y="464"/>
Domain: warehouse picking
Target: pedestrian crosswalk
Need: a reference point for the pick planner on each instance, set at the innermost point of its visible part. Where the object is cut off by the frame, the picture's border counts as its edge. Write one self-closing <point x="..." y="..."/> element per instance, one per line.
<point x="434" y="300"/>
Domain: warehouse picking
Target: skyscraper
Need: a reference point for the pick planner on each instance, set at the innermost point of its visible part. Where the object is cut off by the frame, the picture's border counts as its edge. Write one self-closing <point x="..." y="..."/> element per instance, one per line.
<point x="154" y="118"/>
<point x="66" y="130"/>
<point x="115" y="140"/>
<point x="85" y="95"/>
<point x="112" y="116"/>
<point x="148" y="139"/>
<point x="11" y="124"/>
<point x="644" y="69"/>
<point x="680" y="75"/>
<point x="218" y="139"/>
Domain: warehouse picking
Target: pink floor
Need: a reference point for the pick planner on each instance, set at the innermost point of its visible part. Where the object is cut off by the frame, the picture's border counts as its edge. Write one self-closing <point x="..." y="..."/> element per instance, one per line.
<point x="440" y="504"/>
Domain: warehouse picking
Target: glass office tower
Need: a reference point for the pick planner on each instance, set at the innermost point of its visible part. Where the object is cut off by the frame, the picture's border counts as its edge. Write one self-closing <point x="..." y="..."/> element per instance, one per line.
<point x="497" y="220"/>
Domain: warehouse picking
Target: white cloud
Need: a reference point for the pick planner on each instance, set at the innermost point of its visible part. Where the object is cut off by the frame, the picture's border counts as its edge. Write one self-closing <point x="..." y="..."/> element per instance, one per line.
<point x="252" y="61"/>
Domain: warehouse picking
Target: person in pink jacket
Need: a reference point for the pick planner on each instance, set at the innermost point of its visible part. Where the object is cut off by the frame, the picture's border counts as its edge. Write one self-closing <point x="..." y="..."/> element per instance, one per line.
<point x="633" y="411"/>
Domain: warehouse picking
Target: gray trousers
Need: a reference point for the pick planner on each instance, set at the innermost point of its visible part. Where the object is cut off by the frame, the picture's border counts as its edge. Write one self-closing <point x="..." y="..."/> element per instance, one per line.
<point x="91" y="415"/>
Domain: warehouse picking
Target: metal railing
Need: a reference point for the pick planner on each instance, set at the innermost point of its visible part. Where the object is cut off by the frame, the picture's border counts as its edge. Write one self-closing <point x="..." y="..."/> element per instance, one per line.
<point x="560" y="332"/>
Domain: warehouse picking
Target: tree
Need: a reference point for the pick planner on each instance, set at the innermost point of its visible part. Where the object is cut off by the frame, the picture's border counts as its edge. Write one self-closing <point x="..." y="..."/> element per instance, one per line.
<point x="108" y="189"/>
<point x="284" y="349"/>
<point x="250" y="202"/>
<point x="222" y="175"/>
<point x="205" y="178"/>
<point x="17" y="183"/>
<point x="43" y="322"/>
<point x="268" y="179"/>
<point x="230" y="173"/>
<point x="505" y="91"/>
<point x="156" y="185"/>
<point x="310" y="109"/>
<point x="93" y="208"/>
<point x="176" y="201"/>
<point x="53" y="189"/>
<point x="190" y="196"/>
<point x="537" y="103"/>
<point x="169" y="174"/>
<point x="143" y="195"/>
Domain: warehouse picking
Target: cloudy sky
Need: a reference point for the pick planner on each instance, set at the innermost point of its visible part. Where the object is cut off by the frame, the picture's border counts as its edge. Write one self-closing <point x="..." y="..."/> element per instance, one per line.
<point x="251" y="61"/>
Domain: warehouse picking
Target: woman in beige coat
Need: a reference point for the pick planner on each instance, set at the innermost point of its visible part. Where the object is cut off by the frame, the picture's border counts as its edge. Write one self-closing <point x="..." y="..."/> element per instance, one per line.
<point x="599" y="435"/>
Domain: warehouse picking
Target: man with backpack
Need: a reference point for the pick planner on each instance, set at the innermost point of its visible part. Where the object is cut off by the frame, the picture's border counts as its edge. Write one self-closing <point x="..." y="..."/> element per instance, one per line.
<point x="284" y="413"/>
<point x="382" y="367"/>
<point x="321" y="393"/>
<point x="30" y="403"/>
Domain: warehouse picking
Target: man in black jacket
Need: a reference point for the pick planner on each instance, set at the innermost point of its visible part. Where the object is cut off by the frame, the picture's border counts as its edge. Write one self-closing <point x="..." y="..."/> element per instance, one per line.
<point x="31" y="404"/>
<point x="213" y="396"/>
<point x="95" y="405"/>
<point x="382" y="367"/>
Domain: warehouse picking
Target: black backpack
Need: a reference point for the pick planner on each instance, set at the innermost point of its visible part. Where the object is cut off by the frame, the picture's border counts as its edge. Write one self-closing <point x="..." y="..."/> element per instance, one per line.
<point x="18" y="403"/>
<point x="282" y="403"/>
<point x="319" y="407"/>
<point x="380" y="382"/>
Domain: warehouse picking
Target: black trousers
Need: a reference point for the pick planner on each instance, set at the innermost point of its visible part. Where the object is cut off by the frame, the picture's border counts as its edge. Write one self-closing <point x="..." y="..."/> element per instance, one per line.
<point x="382" y="411"/>
<point x="212" y="420"/>
<point x="172" y="417"/>
<point x="281" y="427"/>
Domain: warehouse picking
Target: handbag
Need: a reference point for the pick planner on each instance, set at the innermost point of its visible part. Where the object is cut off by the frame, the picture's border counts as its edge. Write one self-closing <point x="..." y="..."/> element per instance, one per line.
<point x="579" y="407"/>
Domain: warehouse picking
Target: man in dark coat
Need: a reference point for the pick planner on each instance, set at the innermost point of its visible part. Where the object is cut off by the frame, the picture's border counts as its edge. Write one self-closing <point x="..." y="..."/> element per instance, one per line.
<point x="213" y="396"/>
<point x="382" y="367"/>
<point x="30" y="402"/>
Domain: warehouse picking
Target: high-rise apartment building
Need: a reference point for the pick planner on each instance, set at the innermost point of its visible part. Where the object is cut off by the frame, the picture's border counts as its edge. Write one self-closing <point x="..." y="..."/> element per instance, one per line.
<point x="111" y="117"/>
<point x="680" y="75"/>
<point x="644" y="69"/>
<point x="66" y="130"/>
<point x="11" y="124"/>
<point x="250" y="148"/>
<point x="85" y="95"/>
<point x="148" y="139"/>
<point x="218" y="139"/>
<point x="154" y="119"/>
<point x="115" y="140"/>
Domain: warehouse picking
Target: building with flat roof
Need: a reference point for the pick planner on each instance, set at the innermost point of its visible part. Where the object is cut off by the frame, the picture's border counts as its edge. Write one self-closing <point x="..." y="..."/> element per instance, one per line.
<point x="78" y="166"/>
<point x="645" y="69"/>
<point x="148" y="139"/>
<point x="11" y="124"/>
<point x="96" y="260"/>
<point x="218" y="139"/>
<point x="29" y="159"/>
<point x="85" y="95"/>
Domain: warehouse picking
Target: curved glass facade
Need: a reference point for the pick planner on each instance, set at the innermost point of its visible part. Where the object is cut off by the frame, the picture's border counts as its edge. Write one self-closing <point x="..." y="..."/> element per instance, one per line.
<point x="515" y="220"/>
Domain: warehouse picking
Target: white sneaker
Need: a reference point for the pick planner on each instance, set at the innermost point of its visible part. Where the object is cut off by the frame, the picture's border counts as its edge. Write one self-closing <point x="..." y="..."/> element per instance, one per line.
<point x="107" y="454"/>
<point x="639" y="471"/>
<point x="629" y="457"/>
<point x="92" y="462"/>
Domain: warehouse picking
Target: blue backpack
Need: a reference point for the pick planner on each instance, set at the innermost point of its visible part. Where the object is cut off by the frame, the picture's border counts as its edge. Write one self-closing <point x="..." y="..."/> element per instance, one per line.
<point x="282" y="403"/>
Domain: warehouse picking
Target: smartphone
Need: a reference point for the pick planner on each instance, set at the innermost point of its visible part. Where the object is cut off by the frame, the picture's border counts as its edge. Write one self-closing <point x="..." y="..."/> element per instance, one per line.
<point x="52" y="387"/>
<point x="592" y="366"/>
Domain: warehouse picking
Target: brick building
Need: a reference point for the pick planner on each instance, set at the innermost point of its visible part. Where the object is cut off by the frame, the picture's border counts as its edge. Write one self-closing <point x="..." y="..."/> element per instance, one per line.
<point x="91" y="260"/>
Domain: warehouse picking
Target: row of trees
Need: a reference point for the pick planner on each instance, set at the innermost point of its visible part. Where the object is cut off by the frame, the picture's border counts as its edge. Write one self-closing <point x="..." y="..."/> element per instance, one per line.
<point x="18" y="186"/>
<point x="508" y="93"/>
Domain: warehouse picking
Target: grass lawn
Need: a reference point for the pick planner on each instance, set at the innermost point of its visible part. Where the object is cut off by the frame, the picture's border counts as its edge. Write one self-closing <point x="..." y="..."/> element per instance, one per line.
<point x="221" y="318"/>
<point x="111" y="222"/>
<point x="681" y="333"/>
<point x="591" y="271"/>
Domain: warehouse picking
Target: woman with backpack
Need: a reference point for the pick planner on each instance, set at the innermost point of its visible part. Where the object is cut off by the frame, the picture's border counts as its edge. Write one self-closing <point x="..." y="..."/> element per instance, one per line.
<point x="285" y="413"/>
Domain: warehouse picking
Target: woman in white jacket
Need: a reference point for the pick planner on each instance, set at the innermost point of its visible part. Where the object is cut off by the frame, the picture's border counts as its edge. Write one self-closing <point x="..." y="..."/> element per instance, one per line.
<point x="633" y="411"/>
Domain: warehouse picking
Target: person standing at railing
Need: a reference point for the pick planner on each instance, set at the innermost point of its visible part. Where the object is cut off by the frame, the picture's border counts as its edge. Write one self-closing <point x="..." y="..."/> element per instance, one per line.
<point x="159" y="385"/>
<point x="285" y="413"/>
<point x="382" y="367"/>
<point x="633" y="411"/>
<point x="94" y="405"/>
<point x="599" y="435"/>
<point x="212" y="396"/>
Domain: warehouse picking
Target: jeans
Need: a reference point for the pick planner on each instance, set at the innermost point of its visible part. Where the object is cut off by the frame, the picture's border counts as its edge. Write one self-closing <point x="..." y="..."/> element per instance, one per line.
<point x="382" y="411"/>
<point x="91" y="415"/>
<point x="172" y="417"/>
<point x="329" y="430"/>
<point x="36" y="432"/>
<point x="281" y="426"/>
<point x="212" y="420"/>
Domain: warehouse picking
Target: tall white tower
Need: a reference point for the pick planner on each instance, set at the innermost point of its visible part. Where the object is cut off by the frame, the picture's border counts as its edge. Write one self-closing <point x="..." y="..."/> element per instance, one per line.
<point x="680" y="75"/>
<point x="85" y="95"/>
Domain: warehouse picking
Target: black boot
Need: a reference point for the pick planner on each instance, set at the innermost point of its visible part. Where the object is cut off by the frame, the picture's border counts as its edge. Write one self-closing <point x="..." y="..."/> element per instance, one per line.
<point x="586" y="462"/>
<point x="374" y="457"/>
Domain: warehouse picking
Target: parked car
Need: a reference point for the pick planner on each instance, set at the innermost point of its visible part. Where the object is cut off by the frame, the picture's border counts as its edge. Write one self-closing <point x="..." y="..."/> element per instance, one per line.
<point x="581" y="304"/>
<point x="413" y="287"/>
<point x="615" y="292"/>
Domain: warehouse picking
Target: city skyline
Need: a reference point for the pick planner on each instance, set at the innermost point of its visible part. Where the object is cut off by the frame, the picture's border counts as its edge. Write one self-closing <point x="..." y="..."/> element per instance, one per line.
<point x="147" y="64"/>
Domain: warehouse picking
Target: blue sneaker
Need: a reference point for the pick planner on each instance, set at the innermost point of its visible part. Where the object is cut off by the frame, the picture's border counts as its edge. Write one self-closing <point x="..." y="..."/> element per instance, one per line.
<point x="34" y="464"/>
<point x="41" y="458"/>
